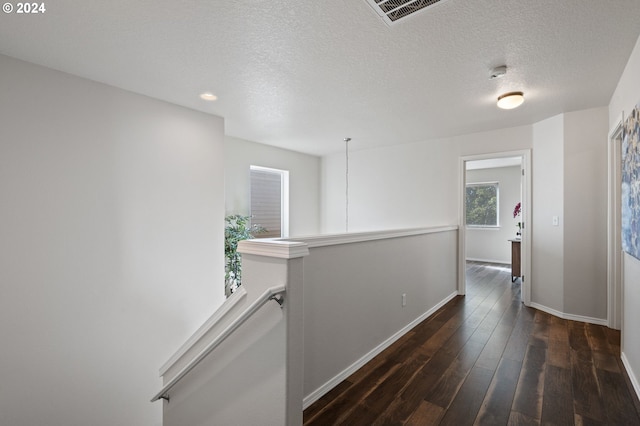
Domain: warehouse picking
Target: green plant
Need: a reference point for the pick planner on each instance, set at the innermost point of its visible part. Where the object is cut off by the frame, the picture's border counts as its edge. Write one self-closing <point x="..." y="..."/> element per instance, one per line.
<point x="237" y="228"/>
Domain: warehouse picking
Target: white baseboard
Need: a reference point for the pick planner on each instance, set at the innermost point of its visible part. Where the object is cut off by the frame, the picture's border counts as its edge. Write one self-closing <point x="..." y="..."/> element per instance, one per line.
<point x="318" y="393"/>
<point x="571" y="317"/>
<point x="502" y="262"/>
<point x="631" y="374"/>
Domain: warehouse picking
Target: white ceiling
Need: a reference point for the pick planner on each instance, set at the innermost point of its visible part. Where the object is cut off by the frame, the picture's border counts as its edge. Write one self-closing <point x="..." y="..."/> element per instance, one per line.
<point x="304" y="74"/>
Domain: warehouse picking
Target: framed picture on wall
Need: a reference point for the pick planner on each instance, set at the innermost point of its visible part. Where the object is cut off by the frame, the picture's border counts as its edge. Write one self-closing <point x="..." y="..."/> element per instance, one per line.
<point x="631" y="184"/>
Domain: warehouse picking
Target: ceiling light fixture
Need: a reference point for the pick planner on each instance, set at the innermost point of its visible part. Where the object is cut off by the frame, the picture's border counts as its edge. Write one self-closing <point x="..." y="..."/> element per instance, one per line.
<point x="208" y="96"/>
<point x="510" y="100"/>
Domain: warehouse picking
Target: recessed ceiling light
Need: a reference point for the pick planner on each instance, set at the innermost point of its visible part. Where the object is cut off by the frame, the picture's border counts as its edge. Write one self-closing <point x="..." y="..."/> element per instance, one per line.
<point x="510" y="100"/>
<point x="208" y="96"/>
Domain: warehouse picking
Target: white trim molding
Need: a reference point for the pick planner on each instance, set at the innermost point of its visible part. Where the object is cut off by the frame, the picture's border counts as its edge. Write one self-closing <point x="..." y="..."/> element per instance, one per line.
<point x="571" y="317"/>
<point x="632" y="376"/>
<point x="273" y="248"/>
<point x="507" y="263"/>
<point x="614" y="246"/>
<point x="358" y="237"/>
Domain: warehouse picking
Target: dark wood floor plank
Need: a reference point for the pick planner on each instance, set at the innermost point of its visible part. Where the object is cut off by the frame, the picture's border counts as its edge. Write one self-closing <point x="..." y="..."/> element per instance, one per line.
<point x="496" y="406"/>
<point x="418" y="384"/>
<point x="585" y="421"/>
<point x="540" y="332"/>
<point x="453" y="335"/>
<point x="468" y="399"/>
<point x="519" y="339"/>
<point x="497" y="326"/>
<point x="578" y="337"/>
<point x="613" y="338"/>
<point x="519" y="419"/>
<point x="605" y="361"/>
<point x="368" y="368"/>
<point x="372" y="407"/>
<point x="529" y="392"/>
<point x="350" y="401"/>
<point x="429" y="336"/>
<point x="325" y="400"/>
<point x="493" y="350"/>
<point x="401" y="343"/>
<point x="426" y="414"/>
<point x="486" y="359"/>
<point x="587" y="399"/>
<point x="617" y="399"/>
<point x="558" y="349"/>
<point x="414" y="393"/>
<point x="597" y="339"/>
<point x="557" y="404"/>
<point x="450" y="382"/>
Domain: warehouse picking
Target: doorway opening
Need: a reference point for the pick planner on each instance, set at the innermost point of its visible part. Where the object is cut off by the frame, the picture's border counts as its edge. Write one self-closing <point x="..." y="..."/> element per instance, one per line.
<point x="494" y="214"/>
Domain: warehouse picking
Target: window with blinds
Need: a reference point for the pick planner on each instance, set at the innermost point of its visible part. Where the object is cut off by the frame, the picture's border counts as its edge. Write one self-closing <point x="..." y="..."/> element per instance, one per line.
<point x="269" y="201"/>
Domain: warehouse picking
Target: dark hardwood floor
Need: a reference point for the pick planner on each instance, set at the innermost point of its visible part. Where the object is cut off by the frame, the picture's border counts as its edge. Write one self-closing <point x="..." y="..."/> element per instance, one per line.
<point x="486" y="359"/>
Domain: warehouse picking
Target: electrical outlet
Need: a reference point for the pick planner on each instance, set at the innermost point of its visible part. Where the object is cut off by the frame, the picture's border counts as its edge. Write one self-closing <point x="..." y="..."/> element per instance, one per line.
<point x="555" y="221"/>
<point x="404" y="299"/>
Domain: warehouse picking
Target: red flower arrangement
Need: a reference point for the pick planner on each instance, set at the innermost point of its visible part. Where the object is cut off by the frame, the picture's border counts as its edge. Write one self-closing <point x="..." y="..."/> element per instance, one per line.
<point x="516" y="212"/>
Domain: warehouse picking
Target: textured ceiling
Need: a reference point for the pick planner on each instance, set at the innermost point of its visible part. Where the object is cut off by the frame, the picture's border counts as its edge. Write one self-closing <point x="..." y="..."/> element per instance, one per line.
<point x="304" y="74"/>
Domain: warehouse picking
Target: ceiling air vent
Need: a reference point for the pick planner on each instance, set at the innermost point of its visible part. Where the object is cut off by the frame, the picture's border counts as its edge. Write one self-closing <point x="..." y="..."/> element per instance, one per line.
<point x="392" y="11"/>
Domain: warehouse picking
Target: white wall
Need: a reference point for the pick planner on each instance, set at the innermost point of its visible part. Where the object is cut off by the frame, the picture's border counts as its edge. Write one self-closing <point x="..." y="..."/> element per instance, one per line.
<point x="627" y="93"/>
<point x="585" y="211"/>
<point x="625" y="97"/>
<point x="491" y="244"/>
<point x="403" y="186"/>
<point x="353" y="298"/>
<point x="416" y="185"/>
<point x="111" y="245"/>
<point x="630" y="317"/>
<point x="547" y="241"/>
<point x="569" y="260"/>
<point x="304" y="181"/>
<point x="501" y="140"/>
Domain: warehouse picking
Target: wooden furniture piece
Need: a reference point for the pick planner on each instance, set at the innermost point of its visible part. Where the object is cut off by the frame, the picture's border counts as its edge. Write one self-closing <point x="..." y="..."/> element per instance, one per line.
<point x="515" y="260"/>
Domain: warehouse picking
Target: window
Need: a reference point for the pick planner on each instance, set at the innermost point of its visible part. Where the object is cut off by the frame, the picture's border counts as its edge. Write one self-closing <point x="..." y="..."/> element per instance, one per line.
<point x="482" y="204"/>
<point x="270" y="201"/>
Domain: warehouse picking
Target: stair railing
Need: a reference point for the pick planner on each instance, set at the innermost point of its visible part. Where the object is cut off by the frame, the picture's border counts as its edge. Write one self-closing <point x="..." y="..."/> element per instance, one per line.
<point x="272" y="293"/>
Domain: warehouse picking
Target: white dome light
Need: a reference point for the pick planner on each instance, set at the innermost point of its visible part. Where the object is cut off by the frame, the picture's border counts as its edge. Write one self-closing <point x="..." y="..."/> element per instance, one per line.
<point x="510" y="100"/>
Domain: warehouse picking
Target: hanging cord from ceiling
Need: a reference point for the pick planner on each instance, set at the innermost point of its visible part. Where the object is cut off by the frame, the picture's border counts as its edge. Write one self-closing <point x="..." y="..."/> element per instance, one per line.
<point x="346" y="177"/>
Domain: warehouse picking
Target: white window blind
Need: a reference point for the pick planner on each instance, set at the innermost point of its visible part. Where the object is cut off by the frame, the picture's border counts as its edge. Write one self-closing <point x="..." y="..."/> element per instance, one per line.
<point x="269" y="196"/>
